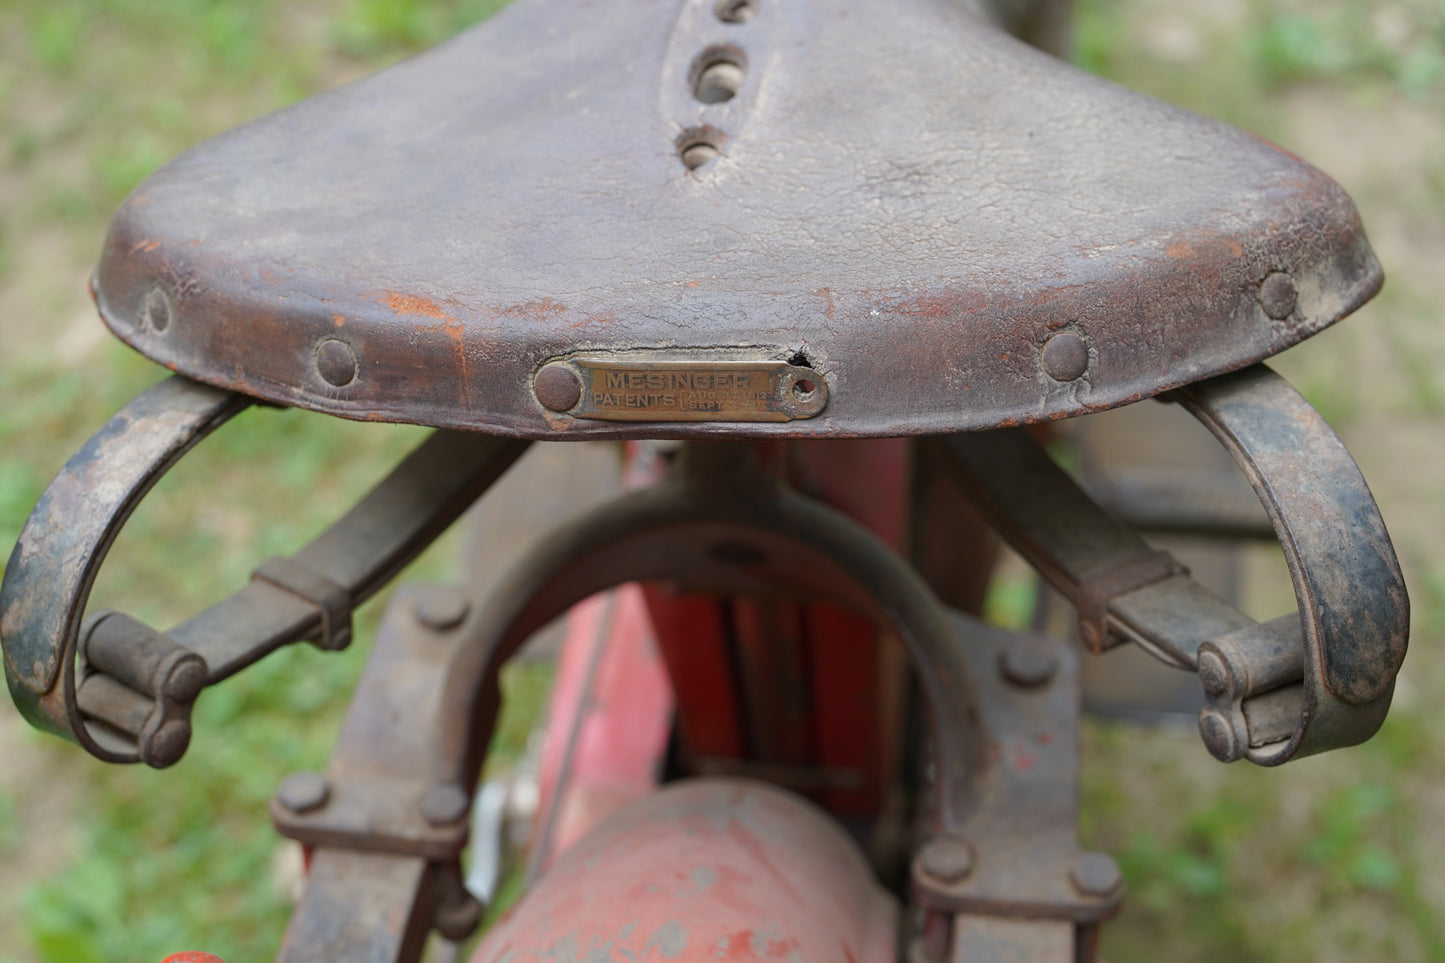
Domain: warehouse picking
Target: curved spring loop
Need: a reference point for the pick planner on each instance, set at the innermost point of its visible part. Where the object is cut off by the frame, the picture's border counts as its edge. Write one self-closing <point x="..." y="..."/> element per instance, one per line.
<point x="124" y="691"/>
<point x="1315" y="680"/>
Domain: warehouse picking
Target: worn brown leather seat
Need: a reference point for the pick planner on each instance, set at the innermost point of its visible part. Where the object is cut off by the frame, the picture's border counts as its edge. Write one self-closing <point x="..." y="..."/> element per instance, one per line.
<point x="950" y="228"/>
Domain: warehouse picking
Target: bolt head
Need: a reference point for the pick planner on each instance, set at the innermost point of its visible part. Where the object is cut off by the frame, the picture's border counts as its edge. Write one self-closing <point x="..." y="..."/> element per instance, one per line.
<point x="1213" y="673"/>
<point x="558" y="387"/>
<point x="1219" y="736"/>
<point x="167" y="744"/>
<point x="458" y="919"/>
<point x="441" y="608"/>
<point x="1065" y="356"/>
<point x="947" y="859"/>
<point x="1027" y="665"/>
<point x="1278" y="295"/>
<point x="445" y="804"/>
<point x="1096" y="875"/>
<point x="336" y="362"/>
<point x="185" y="680"/>
<point x="303" y="792"/>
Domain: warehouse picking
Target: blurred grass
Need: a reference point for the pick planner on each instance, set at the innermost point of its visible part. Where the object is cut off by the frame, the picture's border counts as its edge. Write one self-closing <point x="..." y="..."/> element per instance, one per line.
<point x="93" y="97"/>
<point x="1323" y="860"/>
<point x="1333" y="858"/>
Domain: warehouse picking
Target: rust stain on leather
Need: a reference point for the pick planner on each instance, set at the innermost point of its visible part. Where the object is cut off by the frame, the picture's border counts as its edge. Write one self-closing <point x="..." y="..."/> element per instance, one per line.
<point x="414" y="304"/>
<point x="910" y="263"/>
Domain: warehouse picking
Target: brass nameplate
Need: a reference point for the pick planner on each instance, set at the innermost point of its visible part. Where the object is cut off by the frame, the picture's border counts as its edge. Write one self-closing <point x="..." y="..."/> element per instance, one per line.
<point x="613" y="390"/>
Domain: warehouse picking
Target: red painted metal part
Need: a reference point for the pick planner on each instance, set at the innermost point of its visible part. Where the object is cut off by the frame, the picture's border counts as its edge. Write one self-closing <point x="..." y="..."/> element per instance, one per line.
<point x="708" y="870"/>
<point x="608" y="721"/>
<point x="610" y="712"/>
<point x="802" y="686"/>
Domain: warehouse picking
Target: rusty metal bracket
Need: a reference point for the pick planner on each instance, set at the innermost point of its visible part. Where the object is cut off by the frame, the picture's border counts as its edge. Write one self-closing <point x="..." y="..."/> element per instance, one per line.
<point x="1098" y="589"/>
<point x="1017" y="854"/>
<point x="1303" y="684"/>
<point x="112" y="701"/>
<point x="1004" y="769"/>
<point x="332" y="601"/>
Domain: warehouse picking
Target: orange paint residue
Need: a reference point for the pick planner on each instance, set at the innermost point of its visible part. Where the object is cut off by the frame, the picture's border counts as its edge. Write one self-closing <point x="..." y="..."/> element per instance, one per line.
<point x="147" y="246"/>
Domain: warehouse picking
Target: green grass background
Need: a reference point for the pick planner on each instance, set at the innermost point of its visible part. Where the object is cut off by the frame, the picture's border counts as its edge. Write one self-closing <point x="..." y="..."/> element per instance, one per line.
<point x="1327" y="859"/>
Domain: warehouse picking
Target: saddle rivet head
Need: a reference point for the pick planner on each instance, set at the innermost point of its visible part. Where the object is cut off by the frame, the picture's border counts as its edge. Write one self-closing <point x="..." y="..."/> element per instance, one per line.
<point x="1065" y="356"/>
<point x="947" y="859"/>
<point x="1218" y="735"/>
<point x="1277" y="295"/>
<point x="1096" y="875"/>
<point x="157" y="310"/>
<point x="444" y="804"/>
<point x="303" y="792"/>
<point x="1027" y="666"/>
<point x="558" y="387"/>
<point x="336" y="362"/>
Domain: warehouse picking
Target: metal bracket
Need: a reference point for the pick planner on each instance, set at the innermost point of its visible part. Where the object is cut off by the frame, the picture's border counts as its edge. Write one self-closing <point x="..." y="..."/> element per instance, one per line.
<point x="1017" y="853"/>
<point x="332" y="601"/>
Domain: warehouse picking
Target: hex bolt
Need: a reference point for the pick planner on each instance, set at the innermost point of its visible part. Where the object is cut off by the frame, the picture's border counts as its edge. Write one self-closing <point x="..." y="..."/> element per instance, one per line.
<point x="1027" y="666"/>
<point x="1213" y="673"/>
<point x="336" y="362"/>
<point x="1278" y="295"/>
<point x="441" y="608"/>
<point x="1218" y="735"/>
<point x="558" y="387"/>
<point x="947" y="859"/>
<point x="444" y="804"/>
<point x="303" y="792"/>
<point x="1065" y="356"/>
<point x="1096" y="875"/>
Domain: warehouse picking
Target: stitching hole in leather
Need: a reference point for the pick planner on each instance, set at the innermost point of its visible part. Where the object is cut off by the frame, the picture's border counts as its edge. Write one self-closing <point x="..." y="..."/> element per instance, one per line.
<point x="717" y="74"/>
<point x="698" y="145"/>
<point x="736" y="11"/>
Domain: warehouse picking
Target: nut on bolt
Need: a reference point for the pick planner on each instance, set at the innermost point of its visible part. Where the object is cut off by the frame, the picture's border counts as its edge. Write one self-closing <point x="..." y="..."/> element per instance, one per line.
<point x="1096" y="875"/>
<point x="947" y="859"/>
<point x="444" y="804"/>
<point x="1027" y="666"/>
<point x="441" y="608"/>
<point x="303" y="792"/>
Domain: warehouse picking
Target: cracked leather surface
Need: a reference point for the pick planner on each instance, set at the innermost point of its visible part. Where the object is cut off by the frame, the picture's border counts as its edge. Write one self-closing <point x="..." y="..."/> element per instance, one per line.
<point x="909" y="197"/>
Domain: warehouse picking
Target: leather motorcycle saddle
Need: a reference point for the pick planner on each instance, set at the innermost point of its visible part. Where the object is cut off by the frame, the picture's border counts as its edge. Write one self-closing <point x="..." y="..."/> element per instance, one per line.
<point x="801" y="218"/>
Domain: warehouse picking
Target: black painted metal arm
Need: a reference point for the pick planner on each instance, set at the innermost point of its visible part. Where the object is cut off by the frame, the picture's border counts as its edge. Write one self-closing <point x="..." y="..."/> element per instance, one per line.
<point x="123" y="690"/>
<point x="1304" y="683"/>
